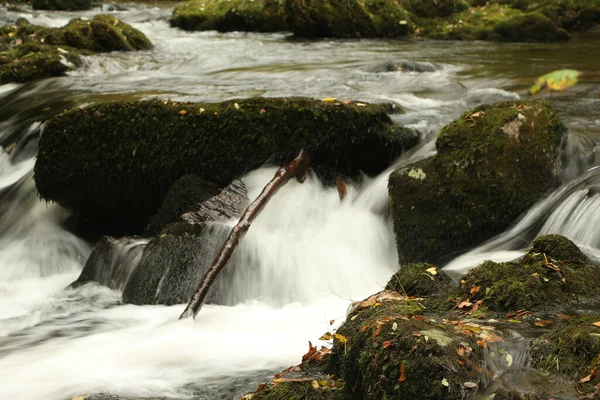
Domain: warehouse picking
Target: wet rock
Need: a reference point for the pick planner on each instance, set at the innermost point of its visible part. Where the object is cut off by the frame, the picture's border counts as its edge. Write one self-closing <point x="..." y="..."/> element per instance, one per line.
<point x="491" y="165"/>
<point x="234" y="15"/>
<point x="64" y="5"/>
<point x="553" y="276"/>
<point x="114" y="162"/>
<point x="405" y="66"/>
<point x="186" y="194"/>
<point x="496" y="23"/>
<point x="570" y="350"/>
<point x="29" y="52"/>
<point x="111" y="262"/>
<point x="389" y="351"/>
<point x="420" y="279"/>
<point x="229" y="203"/>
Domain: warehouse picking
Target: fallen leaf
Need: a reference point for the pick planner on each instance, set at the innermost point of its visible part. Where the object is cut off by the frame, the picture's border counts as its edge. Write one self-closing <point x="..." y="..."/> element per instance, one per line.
<point x="377" y="330"/>
<point x="347" y="102"/>
<point x="482" y="344"/>
<point x="311" y="351"/>
<point x="596" y="323"/>
<point x="591" y="376"/>
<point x="556" y="81"/>
<point x="263" y="111"/>
<point x="387" y="343"/>
<point x="331" y="321"/>
<point x="361" y="105"/>
<point x="470" y="385"/>
<point x="564" y="316"/>
<point x="432" y="270"/>
<point x="80" y="397"/>
<point x="329" y="99"/>
<point x="543" y="322"/>
<point x="464" y="304"/>
<point x="445" y="382"/>
<point x="236" y="106"/>
<point x="326" y="336"/>
<point x="262" y="386"/>
<point x="315" y="384"/>
<point x="341" y="338"/>
<point x="182" y="112"/>
<point x="475" y="289"/>
<point x="394" y="326"/>
<point x="402" y="372"/>
<point x="418" y="318"/>
<point x="509" y="360"/>
<point x="201" y="110"/>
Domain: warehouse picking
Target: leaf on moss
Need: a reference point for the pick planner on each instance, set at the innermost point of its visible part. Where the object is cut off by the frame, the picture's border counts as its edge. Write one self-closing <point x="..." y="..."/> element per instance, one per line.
<point x="556" y="81"/>
<point x="326" y="336"/>
<point x="388" y="343"/>
<point x="182" y="112"/>
<point x="432" y="270"/>
<point x="329" y="99"/>
<point x="341" y="338"/>
<point x="402" y="372"/>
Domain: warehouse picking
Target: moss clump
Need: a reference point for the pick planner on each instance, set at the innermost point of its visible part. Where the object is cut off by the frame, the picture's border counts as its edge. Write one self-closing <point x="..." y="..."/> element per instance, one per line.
<point x="420" y="279"/>
<point x="389" y="18"/>
<point x="29" y="52"/>
<point x="572" y="350"/>
<point x="316" y="389"/>
<point x="67" y="5"/>
<point x="492" y="164"/>
<point x="552" y="276"/>
<point x="231" y="15"/>
<point x="384" y="340"/>
<point x="436" y="8"/>
<point x="496" y="23"/>
<point x="114" y="162"/>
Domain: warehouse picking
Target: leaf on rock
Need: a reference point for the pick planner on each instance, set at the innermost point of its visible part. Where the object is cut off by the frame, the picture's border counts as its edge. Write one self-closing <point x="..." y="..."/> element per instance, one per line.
<point x="311" y="352"/>
<point x="402" y="372"/>
<point x="326" y="336"/>
<point x="329" y="99"/>
<point x="475" y="289"/>
<point x="432" y="270"/>
<point x="556" y="81"/>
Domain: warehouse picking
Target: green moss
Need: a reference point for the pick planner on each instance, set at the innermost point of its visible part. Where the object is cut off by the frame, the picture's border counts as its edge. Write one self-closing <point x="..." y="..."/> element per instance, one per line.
<point x="426" y="349"/>
<point x="114" y="162"/>
<point x="497" y="23"/>
<point x="530" y="283"/>
<point x="299" y="391"/>
<point x="572" y="349"/>
<point x="29" y="52"/>
<point x="389" y="18"/>
<point x="436" y="8"/>
<point x="231" y="15"/>
<point x="419" y="280"/>
<point x="492" y="164"/>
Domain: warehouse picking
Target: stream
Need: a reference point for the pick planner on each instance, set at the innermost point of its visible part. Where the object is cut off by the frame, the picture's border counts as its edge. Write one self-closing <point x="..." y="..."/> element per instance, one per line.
<point x="314" y="255"/>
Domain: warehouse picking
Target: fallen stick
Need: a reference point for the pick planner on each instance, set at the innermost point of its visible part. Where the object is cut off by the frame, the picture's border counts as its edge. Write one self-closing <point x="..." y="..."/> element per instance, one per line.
<point x="296" y="168"/>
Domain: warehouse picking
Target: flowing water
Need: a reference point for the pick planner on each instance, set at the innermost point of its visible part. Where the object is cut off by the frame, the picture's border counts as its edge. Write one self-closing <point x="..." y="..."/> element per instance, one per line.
<point x="313" y="255"/>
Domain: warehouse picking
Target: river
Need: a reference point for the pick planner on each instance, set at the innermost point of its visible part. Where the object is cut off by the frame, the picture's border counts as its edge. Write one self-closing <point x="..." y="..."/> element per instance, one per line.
<point x="314" y="256"/>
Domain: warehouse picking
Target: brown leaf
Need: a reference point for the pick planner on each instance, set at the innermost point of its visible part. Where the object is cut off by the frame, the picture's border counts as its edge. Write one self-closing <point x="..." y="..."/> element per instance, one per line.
<point x="182" y="112"/>
<point x="475" y="289"/>
<point x="418" y="318"/>
<point x="326" y="336"/>
<point x="482" y="344"/>
<point x="543" y="322"/>
<point x="262" y="386"/>
<point x="590" y="376"/>
<point x="464" y="304"/>
<point x="402" y="372"/>
<point x="564" y="316"/>
<point x="387" y="343"/>
<point x="596" y="323"/>
<point x="331" y="321"/>
<point x="377" y="330"/>
<point x="311" y="351"/>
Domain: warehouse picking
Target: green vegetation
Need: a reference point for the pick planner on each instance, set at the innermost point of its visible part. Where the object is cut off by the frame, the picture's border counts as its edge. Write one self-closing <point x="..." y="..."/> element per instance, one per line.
<point x="492" y="164"/>
<point x="29" y="52"/>
<point x="114" y="162"/>
<point x="68" y="5"/>
<point x="552" y="276"/>
<point x="419" y="280"/>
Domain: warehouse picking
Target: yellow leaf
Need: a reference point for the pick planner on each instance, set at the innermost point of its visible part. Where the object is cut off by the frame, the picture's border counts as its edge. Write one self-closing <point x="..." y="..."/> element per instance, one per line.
<point x="182" y="112"/>
<point x="315" y="384"/>
<point x="557" y="81"/>
<point x="329" y="99"/>
<point x="341" y="338"/>
<point x="80" y="397"/>
<point x="432" y="270"/>
<point x="326" y="336"/>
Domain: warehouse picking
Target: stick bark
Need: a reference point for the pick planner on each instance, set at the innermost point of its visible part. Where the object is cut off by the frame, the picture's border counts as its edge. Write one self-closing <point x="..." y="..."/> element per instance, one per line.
<point x="296" y="168"/>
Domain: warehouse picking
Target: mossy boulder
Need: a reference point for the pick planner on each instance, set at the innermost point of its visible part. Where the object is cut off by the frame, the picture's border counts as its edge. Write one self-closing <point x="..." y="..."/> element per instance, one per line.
<point x="231" y="15"/>
<point x="64" y="5"/>
<point x="492" y="164"/>
<point x="552" y="276"/>
<point x="571" y="350"/>
<point x="29" y="52"/>
<point x="495" y="23"/>
<point x="436" y="8"/>
<point x="419" y="279"/>
<point x="114" y="162"/>
<point x="389" y="351"/>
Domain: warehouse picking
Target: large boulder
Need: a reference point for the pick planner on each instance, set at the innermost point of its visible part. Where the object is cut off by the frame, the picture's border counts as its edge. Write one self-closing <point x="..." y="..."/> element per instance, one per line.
<point x="233" y="15"/>
<point x="491" y="165"/>
<point x="29" y="52"/>
<point x="114" y="162"/>
<point x="64" y="5"/>
<point x="553" y="276"/>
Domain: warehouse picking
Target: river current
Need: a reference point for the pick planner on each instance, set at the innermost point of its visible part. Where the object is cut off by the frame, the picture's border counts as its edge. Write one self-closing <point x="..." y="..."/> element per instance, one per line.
<point x="315" y="255"/>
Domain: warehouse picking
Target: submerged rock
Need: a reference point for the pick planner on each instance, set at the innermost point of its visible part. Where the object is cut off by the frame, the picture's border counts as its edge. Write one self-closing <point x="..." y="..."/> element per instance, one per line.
<point x="552" y="276"/>
<point x="114" y="162"/>
<point x="491" y="165"/>
<point x="29" y="52"/>
<point x="65" y="5"/>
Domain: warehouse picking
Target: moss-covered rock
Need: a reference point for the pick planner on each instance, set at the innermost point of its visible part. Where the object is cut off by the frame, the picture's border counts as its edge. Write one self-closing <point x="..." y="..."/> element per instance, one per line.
<point x="419" y="279"/>
<point x="231" y="15"/>
<point x="436" y="8"/>
<point x="495" y="23"/>
<point x="388" y="17"/>
<point x="492" y="164"/>
<point x="114" y="162"/>
<point x="552" y="276"/>
<point x="572" y="350"/>
<point x="65" y="5"/>
<point x="389" y="351"/>
<point x="29" y="52"/>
